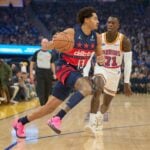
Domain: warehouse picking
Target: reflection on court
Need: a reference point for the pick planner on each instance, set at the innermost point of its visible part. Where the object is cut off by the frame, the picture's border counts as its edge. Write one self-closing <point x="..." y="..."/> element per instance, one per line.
<point x="127" y="128"/>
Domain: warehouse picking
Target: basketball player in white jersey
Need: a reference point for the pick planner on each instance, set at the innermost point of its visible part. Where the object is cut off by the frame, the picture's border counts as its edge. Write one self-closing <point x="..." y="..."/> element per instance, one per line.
<point x="115" y="46"/>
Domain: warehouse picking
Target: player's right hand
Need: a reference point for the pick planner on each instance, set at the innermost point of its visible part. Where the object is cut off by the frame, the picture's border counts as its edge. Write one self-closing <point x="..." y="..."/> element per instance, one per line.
<point x="127" y="89"/>
<point x="100" y="59"/>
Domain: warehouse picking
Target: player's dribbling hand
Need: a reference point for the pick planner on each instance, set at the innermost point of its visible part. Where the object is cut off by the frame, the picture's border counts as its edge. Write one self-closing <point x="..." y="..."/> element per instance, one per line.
<point x="127" y="89"/>
<point x="100" y="59"/>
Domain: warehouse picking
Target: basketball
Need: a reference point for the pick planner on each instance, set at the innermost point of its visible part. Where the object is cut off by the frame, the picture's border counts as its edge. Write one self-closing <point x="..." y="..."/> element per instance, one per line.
<point x="63" y="41"/>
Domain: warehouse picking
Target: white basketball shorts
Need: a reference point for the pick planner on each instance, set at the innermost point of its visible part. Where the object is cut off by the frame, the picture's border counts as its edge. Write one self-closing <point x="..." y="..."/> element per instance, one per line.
<point x="111" y="77"/>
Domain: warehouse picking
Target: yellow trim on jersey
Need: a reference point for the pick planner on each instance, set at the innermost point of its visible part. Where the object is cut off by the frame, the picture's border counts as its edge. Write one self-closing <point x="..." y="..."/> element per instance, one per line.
<point x="112" y="41"/>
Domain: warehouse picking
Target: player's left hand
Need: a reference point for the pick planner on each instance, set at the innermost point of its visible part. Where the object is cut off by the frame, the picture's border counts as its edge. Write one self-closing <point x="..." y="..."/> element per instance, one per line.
<point x="127" y="89"/>
<point x="100" y="59"/>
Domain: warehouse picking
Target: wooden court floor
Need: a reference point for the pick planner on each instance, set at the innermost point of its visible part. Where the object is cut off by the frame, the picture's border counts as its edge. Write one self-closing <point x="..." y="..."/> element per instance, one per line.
<point x="127" y="128"/>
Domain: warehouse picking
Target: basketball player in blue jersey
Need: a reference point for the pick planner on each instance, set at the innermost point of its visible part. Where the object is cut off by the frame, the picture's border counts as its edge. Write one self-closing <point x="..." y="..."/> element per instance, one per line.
<point x="115" y="47"/>
<point x="69" y="70"/>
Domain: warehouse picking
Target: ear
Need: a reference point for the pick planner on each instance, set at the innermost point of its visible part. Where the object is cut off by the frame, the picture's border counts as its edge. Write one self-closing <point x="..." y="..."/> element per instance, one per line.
<point x="118" y="25"/>
<point x="86" y="20"/>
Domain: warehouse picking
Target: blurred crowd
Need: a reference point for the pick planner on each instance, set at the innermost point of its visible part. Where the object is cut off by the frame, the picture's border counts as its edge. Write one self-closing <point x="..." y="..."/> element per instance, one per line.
<point x="15" y="28"/>
<point x="15" y="85"/>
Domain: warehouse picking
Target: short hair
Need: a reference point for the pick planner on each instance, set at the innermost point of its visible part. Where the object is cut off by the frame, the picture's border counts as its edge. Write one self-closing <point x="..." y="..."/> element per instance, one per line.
<point x="85" y="12"/>
<point x="115" y="16"/>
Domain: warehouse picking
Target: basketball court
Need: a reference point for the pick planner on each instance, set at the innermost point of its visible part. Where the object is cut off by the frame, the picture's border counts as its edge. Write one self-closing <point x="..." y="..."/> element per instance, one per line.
<point x="126" y="127"/>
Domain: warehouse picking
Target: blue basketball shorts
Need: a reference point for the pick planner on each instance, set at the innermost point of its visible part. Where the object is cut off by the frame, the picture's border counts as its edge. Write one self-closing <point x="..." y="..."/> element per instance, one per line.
<point x="62" y="91"/>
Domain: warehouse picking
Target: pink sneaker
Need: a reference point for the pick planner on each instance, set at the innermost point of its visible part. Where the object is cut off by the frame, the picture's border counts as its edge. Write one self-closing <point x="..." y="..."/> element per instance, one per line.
<point x="54" y="123"/>
<point x="19" y="128"/>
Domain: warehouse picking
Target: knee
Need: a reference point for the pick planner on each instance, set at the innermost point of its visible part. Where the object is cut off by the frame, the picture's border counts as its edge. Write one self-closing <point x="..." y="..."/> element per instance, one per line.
<point x="83" y="85"/>
<point x="98" y="84"/>
<point x="86" y="89"/>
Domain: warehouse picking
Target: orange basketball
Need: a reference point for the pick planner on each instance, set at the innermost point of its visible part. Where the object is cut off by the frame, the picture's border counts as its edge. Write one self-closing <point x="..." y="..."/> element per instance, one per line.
<point x="63" y="41"/>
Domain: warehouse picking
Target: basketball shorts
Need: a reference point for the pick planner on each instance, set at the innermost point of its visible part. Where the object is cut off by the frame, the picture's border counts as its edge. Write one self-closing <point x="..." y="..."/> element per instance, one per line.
<point x="61" y="89"/>
<point x="111" y="78"/>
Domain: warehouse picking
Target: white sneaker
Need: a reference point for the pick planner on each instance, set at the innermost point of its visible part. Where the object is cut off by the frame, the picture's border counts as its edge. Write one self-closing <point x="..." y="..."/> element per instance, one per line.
<point x="99" y="119"/>
<point x="90" y="128"/>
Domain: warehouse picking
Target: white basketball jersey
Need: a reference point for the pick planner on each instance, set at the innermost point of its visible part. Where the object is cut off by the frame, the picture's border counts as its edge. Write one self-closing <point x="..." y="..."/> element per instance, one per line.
<point x="112" y="51"/>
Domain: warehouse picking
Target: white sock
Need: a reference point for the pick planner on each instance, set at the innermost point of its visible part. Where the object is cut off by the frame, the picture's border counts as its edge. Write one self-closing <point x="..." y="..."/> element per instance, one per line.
<point x="99" y="117"/>
<point x="92" y="118"/>
<point x="99" y="113"/>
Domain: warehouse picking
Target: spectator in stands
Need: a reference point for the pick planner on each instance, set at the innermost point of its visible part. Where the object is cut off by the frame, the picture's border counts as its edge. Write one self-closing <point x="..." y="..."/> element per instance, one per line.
<point x="14" y="69"/>
<point x="18" y="82"/>
<point x="5" y="77"/>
